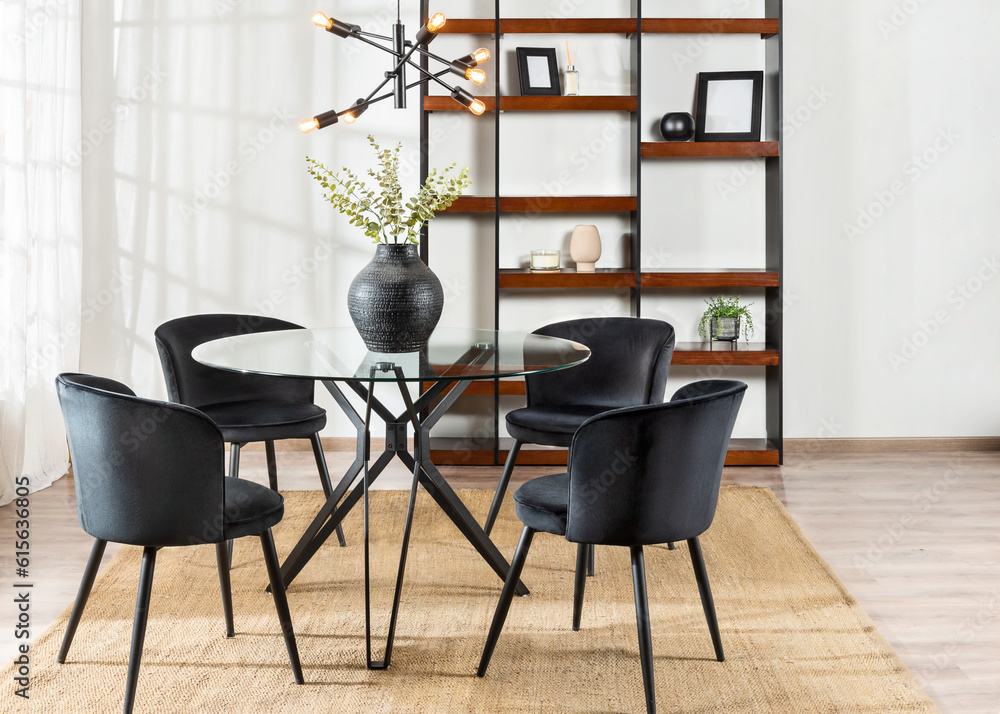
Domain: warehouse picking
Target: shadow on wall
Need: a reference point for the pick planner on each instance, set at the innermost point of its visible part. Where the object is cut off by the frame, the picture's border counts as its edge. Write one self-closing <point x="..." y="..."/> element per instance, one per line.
<point x="196" y="194"/>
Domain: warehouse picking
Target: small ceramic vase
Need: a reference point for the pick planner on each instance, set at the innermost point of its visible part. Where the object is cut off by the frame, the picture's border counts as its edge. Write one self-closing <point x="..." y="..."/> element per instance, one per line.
<point x="585" y="248"/>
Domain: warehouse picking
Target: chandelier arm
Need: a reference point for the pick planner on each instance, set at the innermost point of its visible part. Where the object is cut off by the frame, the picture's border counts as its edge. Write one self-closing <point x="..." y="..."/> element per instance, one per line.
<point x="428" y="76"/>
<point x="425" y="80"/>
<point x="428" y="53"/>
<point x="361" y="38"/>
<point x="382" y="84"/>
<point x="372" y="34"/>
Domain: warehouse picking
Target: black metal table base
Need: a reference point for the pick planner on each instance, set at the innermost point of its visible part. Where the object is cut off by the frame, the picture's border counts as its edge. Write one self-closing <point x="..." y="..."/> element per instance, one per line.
<point x="344" y="497"/>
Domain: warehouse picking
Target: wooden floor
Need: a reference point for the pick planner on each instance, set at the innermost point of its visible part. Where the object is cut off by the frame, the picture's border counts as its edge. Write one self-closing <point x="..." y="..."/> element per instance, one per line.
<point x="916" y="538"/>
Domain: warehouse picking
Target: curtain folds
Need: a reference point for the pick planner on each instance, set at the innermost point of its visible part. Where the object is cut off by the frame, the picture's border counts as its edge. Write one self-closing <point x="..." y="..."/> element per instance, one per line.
<point x="40" y="233"/>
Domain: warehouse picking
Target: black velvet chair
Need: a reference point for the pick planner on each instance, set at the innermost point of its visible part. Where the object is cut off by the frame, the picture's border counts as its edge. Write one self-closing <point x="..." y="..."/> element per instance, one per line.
<point x="152" y="474"/>
<point x="628" y="366"/>
<point x="637" y="476"/>
<point x="246" y="407"/>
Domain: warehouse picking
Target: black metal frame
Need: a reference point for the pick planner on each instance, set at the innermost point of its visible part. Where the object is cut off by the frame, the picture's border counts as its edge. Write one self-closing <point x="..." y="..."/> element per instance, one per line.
<point x="774" y="239"/>
<point x="424" y="472"/>
<point x="554" y="89"/>
<point x="757" y="77"/>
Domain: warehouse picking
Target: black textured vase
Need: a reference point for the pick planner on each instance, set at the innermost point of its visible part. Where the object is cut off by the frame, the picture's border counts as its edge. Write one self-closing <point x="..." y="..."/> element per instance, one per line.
<point x="677" y="126"/>
<point x="395" y="301"/>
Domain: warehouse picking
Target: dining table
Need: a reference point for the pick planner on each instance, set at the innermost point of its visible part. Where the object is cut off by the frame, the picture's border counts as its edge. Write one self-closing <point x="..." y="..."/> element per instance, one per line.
<point x="438" y="373"/>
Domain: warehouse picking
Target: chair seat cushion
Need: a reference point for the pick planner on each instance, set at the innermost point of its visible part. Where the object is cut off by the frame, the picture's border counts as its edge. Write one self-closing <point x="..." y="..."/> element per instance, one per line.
<point x="261" y="420"/>
<point x="550" y="425"/>
<point x="250" y="508"/>
<point x="542" y="503"/>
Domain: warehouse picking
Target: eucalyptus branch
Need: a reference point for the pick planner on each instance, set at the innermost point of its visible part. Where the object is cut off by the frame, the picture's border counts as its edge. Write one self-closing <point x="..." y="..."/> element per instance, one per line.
<point x="388" y="216"/>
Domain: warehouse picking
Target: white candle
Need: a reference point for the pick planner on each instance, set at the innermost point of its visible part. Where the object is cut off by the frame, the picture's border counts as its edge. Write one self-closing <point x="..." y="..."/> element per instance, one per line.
<point x="545" y="260"/>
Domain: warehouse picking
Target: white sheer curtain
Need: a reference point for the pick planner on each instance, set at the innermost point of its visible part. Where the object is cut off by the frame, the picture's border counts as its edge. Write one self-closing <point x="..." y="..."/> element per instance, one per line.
<point x="40" y="233"/>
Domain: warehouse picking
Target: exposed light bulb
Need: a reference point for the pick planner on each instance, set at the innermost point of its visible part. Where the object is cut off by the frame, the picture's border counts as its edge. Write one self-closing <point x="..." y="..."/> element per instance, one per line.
<point x="477" y="107"/>
<point x="321" y="20"/>
<point x="476" y="76"/>
<point x="357" y="110"/>
<point x="436" y="22"/>
<point x="309" y="125"/>
<point x="481" y="55"/>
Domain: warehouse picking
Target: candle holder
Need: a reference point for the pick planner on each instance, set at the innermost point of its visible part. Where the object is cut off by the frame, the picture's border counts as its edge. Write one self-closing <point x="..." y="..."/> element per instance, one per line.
<point x="545" y="261"/>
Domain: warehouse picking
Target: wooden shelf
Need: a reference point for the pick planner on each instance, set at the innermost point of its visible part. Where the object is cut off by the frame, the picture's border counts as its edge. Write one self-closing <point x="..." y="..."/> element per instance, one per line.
<point x="545" y="204"/>
<point x="472" y="204"/>
<point x="468" y="27"/>
<point x="742" y="452"/>
<point x="711" y="279"/>
<point x="528" y="25"/>
<point x="755" y="354"/>
<point x="484" y="388"/>
<point x="597" y="103"/>
<point x="752" y="452"/>
<point x="437" y="103"/>
<point x="568" y="278"/>
<point x="686" y="354"/>
<point x="707" y="149"/>
<point x="765" y="27"/>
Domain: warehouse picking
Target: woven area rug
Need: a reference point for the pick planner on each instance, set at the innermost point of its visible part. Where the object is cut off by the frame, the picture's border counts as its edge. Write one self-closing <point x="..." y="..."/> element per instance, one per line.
<point x="795" y="639"/>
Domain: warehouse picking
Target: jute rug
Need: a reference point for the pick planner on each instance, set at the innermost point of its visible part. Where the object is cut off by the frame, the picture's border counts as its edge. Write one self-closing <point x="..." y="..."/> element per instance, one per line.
<point x="795" y="639"/>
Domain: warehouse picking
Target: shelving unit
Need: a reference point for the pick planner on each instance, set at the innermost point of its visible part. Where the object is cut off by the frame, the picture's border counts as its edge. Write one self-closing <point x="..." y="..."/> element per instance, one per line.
<point x="637" y="279"/>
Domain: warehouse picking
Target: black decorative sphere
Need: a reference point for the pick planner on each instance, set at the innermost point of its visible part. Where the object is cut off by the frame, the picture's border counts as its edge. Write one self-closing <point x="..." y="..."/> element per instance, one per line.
<point x="677" y="126"/>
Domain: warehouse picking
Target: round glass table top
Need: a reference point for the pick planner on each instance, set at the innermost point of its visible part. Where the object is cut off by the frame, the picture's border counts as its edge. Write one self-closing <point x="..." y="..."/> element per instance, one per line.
<point x="338" y="353"/>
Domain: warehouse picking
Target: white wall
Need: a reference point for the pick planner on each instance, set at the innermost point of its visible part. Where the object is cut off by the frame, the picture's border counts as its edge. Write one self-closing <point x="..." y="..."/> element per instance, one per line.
<point x="197" y="198"/>
<point x="880" y="339"/>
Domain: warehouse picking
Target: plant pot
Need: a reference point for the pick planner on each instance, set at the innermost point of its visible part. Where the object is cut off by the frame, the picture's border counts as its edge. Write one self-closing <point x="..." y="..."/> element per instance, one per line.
<point x="726" y="329"/>
<point x="395" y="301"/>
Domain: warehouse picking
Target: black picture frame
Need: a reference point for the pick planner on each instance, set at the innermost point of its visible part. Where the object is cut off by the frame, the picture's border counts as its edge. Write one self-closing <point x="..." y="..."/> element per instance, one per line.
<point x="525" y="57"/>
<point x="717" y="107"/>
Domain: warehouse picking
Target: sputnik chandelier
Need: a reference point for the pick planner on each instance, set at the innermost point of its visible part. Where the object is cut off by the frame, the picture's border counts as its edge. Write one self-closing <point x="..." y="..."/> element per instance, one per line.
<point x="402" y="50"/>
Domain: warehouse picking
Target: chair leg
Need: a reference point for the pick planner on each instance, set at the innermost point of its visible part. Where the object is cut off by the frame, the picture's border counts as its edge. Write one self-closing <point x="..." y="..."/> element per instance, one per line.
<point x="506" y="596"/>
<point x="590" y="560"/>
<point x="234" y="472"/>
<point x="222" y="559"/>
<point x="642" y="624"/>
<point x="272" y="465"/>
<point x="580" y="584"/>
<point x="281" y="602"/>
<point x="86" y="585"/>
<point x="671" y="546"/>
<point x="705" y="590"/>
<point x="508" y="469"/>
<point x="139" y="625"/>
<point x="324" y="479"/>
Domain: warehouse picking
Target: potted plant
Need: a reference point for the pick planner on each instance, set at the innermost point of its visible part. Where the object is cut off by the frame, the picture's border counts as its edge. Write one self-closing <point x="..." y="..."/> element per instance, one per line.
<point x="395" y="301"/>
<point x="724" y="319"/>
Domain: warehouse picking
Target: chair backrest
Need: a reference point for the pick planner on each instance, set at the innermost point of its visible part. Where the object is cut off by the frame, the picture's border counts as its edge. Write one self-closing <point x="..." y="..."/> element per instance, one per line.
<point x="628" y="365"/>
<point x="197" y="385"/>
<point x="651" y="474"/>
<point x="147" y="472"/>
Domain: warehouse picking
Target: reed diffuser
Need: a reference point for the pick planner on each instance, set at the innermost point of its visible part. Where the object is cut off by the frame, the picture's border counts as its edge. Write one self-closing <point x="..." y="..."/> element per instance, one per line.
<point x="572" y="78"/>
